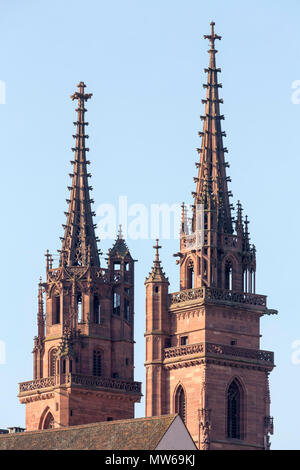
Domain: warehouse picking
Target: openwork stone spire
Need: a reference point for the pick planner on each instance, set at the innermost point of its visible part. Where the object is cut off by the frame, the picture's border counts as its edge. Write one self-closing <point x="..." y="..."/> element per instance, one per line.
<point x="212" y="180"/>
<point x="79" y="244"/>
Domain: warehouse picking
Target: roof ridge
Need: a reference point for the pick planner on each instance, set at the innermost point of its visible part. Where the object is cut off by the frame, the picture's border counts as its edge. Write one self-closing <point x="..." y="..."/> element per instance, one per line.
<point x="91" y="425"/>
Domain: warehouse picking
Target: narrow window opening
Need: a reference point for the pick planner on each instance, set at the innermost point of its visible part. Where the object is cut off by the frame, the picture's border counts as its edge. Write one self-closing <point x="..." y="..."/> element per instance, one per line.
<point x="184" y="340"/>
<point x="56" y="313"/>
<point x="97" y="364"/>
<point x="52" y="362"/>
<point x="127" y="310"/>
<point x="96" y="310"/>
<point x="79" y="308"/>
<point x="228" y="275"/>
<point x="117" y="301"/>
<point x="190" y="276"/>
<point x="180" y="403"/>
<point x="234" y="411"/>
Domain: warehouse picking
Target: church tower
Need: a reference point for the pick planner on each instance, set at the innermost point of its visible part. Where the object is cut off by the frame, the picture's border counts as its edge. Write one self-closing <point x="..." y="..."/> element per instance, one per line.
<point x="203" y="356"/>
<point x="83" y="358"/>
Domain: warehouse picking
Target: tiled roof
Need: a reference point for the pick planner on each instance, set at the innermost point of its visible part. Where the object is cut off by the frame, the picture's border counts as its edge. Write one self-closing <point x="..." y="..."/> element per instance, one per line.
<point x="129" y="434"/>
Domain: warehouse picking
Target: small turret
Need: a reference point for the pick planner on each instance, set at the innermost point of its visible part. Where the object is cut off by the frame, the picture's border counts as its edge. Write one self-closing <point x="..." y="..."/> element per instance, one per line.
<point x="157" y="334"/>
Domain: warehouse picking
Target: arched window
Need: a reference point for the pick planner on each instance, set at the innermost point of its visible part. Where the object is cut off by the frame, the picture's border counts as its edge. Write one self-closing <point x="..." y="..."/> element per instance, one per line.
<point x="49" y="421"/>
<point x="228" y="275"/>
<point x="234" y="411"/>
<point x="96" y="310"/>
<point x="180" y="403"/>
<point x="97" y="363"/>
<point x="190" y="275"/>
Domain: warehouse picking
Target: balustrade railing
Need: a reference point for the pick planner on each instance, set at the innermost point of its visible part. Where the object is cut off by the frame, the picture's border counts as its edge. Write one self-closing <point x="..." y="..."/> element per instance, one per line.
<point x="213" y="293"/>
<point x="220" y="350"/>
<point x="84" y="380"/>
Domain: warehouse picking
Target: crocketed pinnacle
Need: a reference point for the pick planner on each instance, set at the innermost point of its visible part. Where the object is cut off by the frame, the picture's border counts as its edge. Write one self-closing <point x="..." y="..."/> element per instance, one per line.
<point x="120" y="247"/>
<point x="157" y="274"/>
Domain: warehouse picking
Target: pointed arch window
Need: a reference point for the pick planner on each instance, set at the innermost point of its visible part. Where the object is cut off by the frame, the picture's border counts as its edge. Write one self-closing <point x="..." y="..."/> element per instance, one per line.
<point x="180" y="403"/>
<point x="234" y="403"/>
<point x="49" y="421"/>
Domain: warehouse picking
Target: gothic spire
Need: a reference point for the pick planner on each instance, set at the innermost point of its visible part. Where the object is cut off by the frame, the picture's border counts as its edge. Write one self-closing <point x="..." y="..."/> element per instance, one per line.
<point x="157" y="274"/>
<point x="212" y="179"/>
<point x="79" y="244"/>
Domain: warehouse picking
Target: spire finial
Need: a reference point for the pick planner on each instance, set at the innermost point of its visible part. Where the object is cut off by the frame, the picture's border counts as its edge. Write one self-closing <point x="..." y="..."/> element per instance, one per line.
<point x="157" y="248"/>
<point x="80" y="93"/>
<point x="157" y="274"/>
<point x="212" y="37"/>
<point x="120" y="234"/>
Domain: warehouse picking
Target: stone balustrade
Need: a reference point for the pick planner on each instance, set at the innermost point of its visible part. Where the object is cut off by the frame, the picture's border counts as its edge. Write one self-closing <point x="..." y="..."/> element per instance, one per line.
<point x="213" y="349"/>
<point x="81" y="380"/>
<point x="215" y="294"/>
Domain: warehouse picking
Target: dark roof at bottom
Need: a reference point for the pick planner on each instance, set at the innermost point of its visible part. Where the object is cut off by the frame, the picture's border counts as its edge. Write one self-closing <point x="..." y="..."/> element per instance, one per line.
<point x="128" y="434"/>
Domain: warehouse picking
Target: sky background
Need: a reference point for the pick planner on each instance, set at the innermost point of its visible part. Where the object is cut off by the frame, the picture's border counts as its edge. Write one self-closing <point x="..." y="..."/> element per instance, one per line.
<point x="143" y="61"/>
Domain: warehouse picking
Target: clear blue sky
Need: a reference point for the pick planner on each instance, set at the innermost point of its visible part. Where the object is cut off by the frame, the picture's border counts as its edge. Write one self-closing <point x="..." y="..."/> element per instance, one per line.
<point x="144" y="61"/>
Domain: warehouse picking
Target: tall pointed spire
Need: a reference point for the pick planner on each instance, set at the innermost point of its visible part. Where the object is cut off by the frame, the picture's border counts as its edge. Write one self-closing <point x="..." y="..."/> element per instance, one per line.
<point x="212" y="180"/>
<point x="79" y="244"/>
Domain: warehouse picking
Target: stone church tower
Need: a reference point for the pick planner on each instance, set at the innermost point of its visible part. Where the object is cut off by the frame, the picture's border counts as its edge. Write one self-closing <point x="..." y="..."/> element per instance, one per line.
<point x="83" y="359"/>
<point x="203" y="356"/>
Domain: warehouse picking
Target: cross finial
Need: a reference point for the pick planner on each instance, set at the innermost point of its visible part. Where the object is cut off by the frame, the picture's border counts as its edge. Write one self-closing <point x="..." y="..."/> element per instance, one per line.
<point x="157" y="247"/>
<point x="212" y="37"/>
<point x="80" y="93"/>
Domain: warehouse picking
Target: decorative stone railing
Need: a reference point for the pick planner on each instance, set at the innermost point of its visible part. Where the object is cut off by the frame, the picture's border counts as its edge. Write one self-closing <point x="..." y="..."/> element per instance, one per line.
<point x="83" y="380"/>
<point x="37" y="384"/>
<point x="184" y="350"/>
<point x="104" y="382"/>
<point x="212" y="349"/>
<point x="213" y="293"/>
